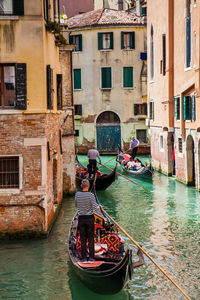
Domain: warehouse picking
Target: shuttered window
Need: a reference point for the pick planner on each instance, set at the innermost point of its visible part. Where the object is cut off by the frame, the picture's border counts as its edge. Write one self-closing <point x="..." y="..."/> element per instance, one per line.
<point x="77" y="40"/>
<point x="151" y="55"/>
<point x="140" y="109"/>
<point x="177" y="108"/>
<point x="106" y="78"/>
<point x="188" y="33"/>
<point x="59" y="91"/>
<point x="49" y="87"/>
<point x="128" y="40"/>
<point x="12" y="7"/>
<point x="77" y="79"/>
<point x="105" y="40"/>
<point x="78" y="109"/>
<point x="13" y="92"/>
<point x="128" y="77"/>
<point x="187" y="108"/>
<point x="144" y="11"/>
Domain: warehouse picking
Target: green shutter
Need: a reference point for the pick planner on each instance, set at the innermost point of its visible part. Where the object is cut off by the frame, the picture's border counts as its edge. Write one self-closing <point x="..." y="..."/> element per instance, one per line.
<point x="71" y="39"/>
<point x="106" y="78"/>
<point x="175" y="108"/>
<point x="80" y="42"/>
<point x="80" y="109"/>
<point x="122" y="40"/>
<point x="99" y="41"/>
<point x="18" y="7"/>
<point x="111" y="40"/>
<point x="193" y="108"/>
<point x="184" y="108"/>
<point x="136" y="106"/>
<point x="128" y="77"/>
<point x="77" y="79"/>
<point x="189" y="108"/>
<point x="178" y="107"/>
<point x="133" y="40"/>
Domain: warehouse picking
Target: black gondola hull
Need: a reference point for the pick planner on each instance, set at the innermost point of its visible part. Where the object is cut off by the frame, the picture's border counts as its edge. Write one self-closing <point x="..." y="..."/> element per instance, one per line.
<point x="109" y="281"/>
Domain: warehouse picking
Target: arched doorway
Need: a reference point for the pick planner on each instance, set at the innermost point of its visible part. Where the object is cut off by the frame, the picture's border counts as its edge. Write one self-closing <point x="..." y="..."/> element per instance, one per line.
<point x="108" y="132"/>
<point x="190" y="161"/>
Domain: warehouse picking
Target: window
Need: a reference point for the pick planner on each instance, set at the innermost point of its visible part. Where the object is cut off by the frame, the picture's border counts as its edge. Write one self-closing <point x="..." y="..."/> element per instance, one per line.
<point x="106" y="78"/>
<point x="195" y="2"/>
<point x="77" y="40"/>
<point x="49" y="74"/>
<point x="164" y="54"/>
<point x="9" y="172"/>
<point x="128" y="40"/>
<point x="151" y="110"/>
<point x="128" y="77"/>
<point x="13" y="86"/>
<point x="77" y="79"/>
<point x="76" y="132"/>
<point x="140" y="109"/>
<point x="11" y="7"/>
<point x="59" y="91"/>
<point x="144" y="11"/>
<point x="78" y="109"/>
<point x="161" y="142"/>
<point x="141" y="135"/>
<point x="151" y="54"/>
<point x="180" y="145"/>
<point x="105" y="40"/>
<point x="177" y="108"/>
<point x="188" y="33"/>
<point x="189" y="108"/>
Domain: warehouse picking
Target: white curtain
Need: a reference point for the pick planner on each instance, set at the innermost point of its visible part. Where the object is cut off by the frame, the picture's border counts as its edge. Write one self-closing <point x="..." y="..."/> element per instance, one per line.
<point x="6" y="6"/>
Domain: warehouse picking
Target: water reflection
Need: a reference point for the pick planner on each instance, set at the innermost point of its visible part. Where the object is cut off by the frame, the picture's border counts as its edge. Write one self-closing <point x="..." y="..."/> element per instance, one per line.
<point x="165" y="221"/>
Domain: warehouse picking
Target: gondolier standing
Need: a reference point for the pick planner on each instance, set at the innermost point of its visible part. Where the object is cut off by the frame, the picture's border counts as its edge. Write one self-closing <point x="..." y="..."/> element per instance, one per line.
<point x="87" y="206"/>
<point x="92" y="155"/>
<point x="134" y="146"/>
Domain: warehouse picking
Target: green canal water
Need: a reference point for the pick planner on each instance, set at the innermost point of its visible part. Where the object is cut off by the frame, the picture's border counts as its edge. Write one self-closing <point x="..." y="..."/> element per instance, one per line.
<point x="166" y="222"/>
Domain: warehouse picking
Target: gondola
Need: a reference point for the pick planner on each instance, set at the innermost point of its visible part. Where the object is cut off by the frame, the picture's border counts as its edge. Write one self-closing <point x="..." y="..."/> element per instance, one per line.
<point x="111" y="270"/>
<point x="102" y="182"/>
<point x="143" y="172"/>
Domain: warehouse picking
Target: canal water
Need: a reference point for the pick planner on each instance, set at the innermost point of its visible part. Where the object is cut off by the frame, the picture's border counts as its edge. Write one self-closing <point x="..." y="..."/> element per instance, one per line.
<point x="166" y="222"/>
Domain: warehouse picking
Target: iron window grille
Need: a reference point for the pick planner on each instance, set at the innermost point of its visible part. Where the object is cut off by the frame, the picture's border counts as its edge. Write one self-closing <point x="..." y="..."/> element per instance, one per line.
<point x="9" y="172"/>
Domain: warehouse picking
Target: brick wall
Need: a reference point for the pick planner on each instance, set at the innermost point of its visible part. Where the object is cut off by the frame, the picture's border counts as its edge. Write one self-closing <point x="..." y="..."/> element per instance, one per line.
<point x="26" y="136"/>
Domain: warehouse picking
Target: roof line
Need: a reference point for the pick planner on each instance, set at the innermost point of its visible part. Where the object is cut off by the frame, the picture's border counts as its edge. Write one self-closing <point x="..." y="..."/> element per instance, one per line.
<point x="100" y="15"/>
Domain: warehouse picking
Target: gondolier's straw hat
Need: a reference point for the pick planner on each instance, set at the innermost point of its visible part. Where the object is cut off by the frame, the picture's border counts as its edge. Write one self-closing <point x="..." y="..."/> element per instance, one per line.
<point x="85" y="183"/>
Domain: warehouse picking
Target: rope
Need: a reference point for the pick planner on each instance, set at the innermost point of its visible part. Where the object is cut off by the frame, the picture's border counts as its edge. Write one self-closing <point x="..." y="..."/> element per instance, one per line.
<point x="127" y="178"/>
<point x="155" y="263"/>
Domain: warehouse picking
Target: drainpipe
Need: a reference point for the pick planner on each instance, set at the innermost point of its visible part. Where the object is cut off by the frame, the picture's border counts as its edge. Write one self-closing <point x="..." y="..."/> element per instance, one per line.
<point x="171" y="62"/>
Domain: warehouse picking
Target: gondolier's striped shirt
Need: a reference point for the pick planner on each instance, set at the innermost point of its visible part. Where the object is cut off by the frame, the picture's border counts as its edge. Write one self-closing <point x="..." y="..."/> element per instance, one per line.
<point x="86" y="204"/>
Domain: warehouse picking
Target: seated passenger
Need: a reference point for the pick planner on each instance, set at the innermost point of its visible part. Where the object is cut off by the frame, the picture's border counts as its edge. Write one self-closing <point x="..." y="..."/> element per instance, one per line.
<point x="138" y="164"/>
<point x="131" y="163"/>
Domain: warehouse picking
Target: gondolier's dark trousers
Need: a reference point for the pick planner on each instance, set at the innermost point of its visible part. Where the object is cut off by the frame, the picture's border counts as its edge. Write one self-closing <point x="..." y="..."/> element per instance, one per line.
<point x="92" y="166"/>
<point x="86" y="229"/>
<point x="134" y="152"/>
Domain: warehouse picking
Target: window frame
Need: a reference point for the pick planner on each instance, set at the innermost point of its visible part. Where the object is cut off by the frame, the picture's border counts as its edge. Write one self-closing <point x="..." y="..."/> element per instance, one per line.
<point x="14" y="190"/>
<point x="140" y="106"/>
<point x="72" y="40"/>
<point x="132" y="33"/>
<point x="111" y="81"/>
<point x="100" y="41"/>
<point x="144" y="130"/>
<point x="180" y="145"/>
<point x="161" y="143"/>
<point x="78" y="109"/>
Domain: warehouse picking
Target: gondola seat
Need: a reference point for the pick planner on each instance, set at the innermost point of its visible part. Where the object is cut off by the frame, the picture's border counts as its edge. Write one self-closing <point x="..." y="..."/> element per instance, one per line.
<point x="112" y="240"/>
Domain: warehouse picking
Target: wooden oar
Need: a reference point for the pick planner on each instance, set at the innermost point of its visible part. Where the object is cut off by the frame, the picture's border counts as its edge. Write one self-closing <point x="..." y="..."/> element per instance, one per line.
<point x="116" y="156"/>
<point x="126" y="178"/>
<point x="155" y="263"/>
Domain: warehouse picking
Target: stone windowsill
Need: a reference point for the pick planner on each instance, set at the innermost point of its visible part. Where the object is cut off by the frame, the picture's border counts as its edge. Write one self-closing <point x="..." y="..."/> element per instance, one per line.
<point x="9" y="17"/>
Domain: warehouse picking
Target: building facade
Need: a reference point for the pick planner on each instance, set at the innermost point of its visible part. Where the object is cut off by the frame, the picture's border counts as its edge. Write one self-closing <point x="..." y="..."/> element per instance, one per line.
<point x="110" y="73"/>
<point x="173" y="88"/>
<point x="31" y="118"/>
